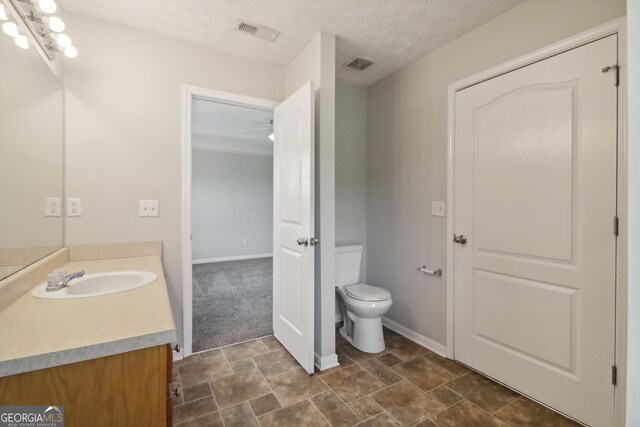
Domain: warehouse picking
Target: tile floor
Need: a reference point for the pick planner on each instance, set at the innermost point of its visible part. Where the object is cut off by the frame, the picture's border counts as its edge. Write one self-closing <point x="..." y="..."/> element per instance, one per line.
<point x="258" y="383"/>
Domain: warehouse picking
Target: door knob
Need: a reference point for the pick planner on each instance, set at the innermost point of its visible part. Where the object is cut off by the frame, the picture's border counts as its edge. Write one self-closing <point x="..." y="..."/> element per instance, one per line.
<point x="176" y="392"/>
<point x="314" y="241"/>
<point x="303" y="241"/>
<point x="460" y="238"/>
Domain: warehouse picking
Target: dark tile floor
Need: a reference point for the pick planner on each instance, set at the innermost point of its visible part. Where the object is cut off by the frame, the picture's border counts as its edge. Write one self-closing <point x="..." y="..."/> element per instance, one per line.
<point x="258" y="383"/>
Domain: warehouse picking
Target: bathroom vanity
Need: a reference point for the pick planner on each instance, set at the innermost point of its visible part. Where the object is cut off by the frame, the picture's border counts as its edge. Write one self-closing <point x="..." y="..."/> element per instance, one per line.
<point x="106" y="359"/>
<point x="126" y="389"/>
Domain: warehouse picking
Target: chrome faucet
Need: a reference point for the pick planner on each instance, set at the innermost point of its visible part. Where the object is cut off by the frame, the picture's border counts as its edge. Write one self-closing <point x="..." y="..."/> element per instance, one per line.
<point x="51" y="287"/>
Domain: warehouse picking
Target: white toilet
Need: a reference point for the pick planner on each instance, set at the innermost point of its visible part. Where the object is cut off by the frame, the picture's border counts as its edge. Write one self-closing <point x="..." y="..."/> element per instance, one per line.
<point x="362" y="305"/>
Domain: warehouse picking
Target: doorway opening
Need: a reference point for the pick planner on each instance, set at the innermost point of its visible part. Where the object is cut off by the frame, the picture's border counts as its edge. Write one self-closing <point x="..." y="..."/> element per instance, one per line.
<point x="231" y="223"/>
<point x="293" y="241"/>
<point x="228" y="277"/>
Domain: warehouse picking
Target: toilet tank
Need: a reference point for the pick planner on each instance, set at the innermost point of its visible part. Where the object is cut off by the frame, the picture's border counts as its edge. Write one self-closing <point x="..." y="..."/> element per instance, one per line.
<point x="348" y="262"/>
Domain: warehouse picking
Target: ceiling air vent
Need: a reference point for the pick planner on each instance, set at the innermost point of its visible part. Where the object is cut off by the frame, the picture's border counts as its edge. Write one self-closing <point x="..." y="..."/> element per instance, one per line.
<point x="358" y="64"/>
<point x="260" y="31"/>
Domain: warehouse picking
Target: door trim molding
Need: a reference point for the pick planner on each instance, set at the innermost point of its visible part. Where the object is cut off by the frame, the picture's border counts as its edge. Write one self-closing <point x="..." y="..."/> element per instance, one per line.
<point x="617" y="26"/>
<point x="188" y="94"/>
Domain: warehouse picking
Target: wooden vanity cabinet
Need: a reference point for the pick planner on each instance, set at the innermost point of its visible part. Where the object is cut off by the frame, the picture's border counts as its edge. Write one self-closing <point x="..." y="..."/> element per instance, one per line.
<point x="169" y="364"/>
<point x="127" y="389"/>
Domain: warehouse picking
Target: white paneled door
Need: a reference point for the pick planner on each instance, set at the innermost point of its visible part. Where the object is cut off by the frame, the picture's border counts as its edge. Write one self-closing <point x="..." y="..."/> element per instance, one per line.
<point x="535" y="255"/>
<point x="293" y="242"/>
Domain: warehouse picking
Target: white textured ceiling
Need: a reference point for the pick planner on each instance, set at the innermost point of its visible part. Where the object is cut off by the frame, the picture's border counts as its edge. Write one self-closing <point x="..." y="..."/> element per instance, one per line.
<point x="392" y="33"/>
<point x="216" y="126"/>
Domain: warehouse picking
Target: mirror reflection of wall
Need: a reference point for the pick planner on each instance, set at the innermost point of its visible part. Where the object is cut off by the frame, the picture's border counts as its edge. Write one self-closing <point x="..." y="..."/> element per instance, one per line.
<point x="31" y="157"/>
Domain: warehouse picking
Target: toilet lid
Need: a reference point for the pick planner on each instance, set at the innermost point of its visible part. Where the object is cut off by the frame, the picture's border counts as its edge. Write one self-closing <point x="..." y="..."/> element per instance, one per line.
<point x="364" y="292"/>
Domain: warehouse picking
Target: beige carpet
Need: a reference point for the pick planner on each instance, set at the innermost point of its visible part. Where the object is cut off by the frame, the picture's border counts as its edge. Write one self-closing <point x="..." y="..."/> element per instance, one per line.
<point x="232" y="302"/>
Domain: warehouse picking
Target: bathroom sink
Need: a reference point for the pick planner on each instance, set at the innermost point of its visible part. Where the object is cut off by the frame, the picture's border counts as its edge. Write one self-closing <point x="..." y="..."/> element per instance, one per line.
<point x="98" y="284"/>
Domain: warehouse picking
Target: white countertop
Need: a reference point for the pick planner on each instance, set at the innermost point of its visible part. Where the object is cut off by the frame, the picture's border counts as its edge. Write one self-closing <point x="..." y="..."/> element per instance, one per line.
<point x="40" y="333"/>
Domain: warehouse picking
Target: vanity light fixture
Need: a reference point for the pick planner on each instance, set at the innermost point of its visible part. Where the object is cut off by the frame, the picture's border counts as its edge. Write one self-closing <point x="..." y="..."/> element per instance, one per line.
<point x="10" y="29"/>
<point x="45" y="24"/>
<point x="54" y="23"/>
<point x="22" y="41"/>
<point x="61" y="39"/>
<point x="47" y="6"/>
<point x="70" y="52"/>
<point x="37" y="17"/>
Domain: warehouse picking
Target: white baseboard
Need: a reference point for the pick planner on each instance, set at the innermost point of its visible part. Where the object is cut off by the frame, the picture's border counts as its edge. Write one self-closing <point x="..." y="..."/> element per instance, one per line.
<point x="430" y="344"/>
<point x="230" y="258"/>
<point x="326" y="362"/>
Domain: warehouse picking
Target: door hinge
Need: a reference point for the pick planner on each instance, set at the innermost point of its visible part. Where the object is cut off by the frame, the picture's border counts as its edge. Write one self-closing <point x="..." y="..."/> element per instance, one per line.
<point x="614" y="375"/>
<point x="616" y="70"/>
<point x="616" y="225"/>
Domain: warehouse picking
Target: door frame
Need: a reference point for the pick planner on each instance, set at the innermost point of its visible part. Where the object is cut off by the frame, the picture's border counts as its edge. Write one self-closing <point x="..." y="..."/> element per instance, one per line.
<point x="617" y="26"/>
<point x="188" y="94"/>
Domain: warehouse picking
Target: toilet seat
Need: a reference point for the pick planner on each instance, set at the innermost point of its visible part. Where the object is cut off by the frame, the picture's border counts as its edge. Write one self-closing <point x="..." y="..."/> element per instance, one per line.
<point x="364" y="292"/>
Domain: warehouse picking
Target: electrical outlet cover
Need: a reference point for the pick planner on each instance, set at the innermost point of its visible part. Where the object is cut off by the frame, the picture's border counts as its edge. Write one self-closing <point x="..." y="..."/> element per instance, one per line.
<point x="74" y="206"/>
<point x="148" y="208"/>
<point x="437" y="208"/>
<point x="54" y="206"/>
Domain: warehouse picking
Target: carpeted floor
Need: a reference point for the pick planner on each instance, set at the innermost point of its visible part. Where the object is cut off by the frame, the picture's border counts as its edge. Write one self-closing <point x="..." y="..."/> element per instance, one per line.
<point x="232" y="302"/>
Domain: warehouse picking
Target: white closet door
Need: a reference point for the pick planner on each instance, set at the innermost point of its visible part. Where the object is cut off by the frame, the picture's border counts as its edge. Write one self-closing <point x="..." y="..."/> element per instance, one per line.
<point x="535" y="197"/>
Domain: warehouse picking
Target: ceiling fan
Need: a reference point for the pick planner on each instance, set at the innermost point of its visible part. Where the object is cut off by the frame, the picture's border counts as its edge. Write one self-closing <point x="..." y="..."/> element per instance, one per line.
<point x="265" y="127"/>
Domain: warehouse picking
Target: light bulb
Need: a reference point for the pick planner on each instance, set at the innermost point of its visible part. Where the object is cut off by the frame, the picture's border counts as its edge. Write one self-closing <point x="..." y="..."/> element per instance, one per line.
<point x="10" y="29"/>
<point x="63" y="40"/>
<point x="22" y="41"/>
<point x="47" y="6"/>
<point x="54" y="23"/>
<point x="70" y="52"/>
<point x="271" y="137"/>
<point x="3" y="13"/>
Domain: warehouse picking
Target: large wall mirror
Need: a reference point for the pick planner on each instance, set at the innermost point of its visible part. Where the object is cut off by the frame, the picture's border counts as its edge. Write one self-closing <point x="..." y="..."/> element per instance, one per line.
<point x="31" y="158"/>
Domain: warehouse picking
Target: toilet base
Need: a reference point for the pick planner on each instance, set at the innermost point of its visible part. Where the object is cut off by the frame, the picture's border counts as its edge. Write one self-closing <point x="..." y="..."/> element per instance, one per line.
<point x="364" y="334"/>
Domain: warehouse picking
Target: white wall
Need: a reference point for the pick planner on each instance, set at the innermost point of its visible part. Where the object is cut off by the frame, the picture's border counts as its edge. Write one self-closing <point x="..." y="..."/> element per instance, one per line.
<point x="407" y="141"/>
<point x="316" y="63"/>
<point x="306" y="66"/>
<point x="351" y="165"/>
<point x="633" y="301"/>
<point x="231" y="200"/>
<point x="123" y="119"/>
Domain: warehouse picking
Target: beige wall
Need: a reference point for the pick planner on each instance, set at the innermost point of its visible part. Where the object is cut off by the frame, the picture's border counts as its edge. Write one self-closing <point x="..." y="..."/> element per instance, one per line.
<point x="351" y="169"/>
<point x="407" y="147"/>
<point x="123" y="131"/>
<point x="305" y="67"/>
<point x="351" y="164"/>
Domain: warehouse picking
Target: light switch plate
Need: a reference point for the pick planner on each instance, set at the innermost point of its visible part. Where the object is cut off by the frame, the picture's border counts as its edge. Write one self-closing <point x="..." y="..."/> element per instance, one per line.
<point x="74" y="206"/>
<point x="53" y="206"/>
<point x="148" y="207"/>
<point x="437" y="208"/>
